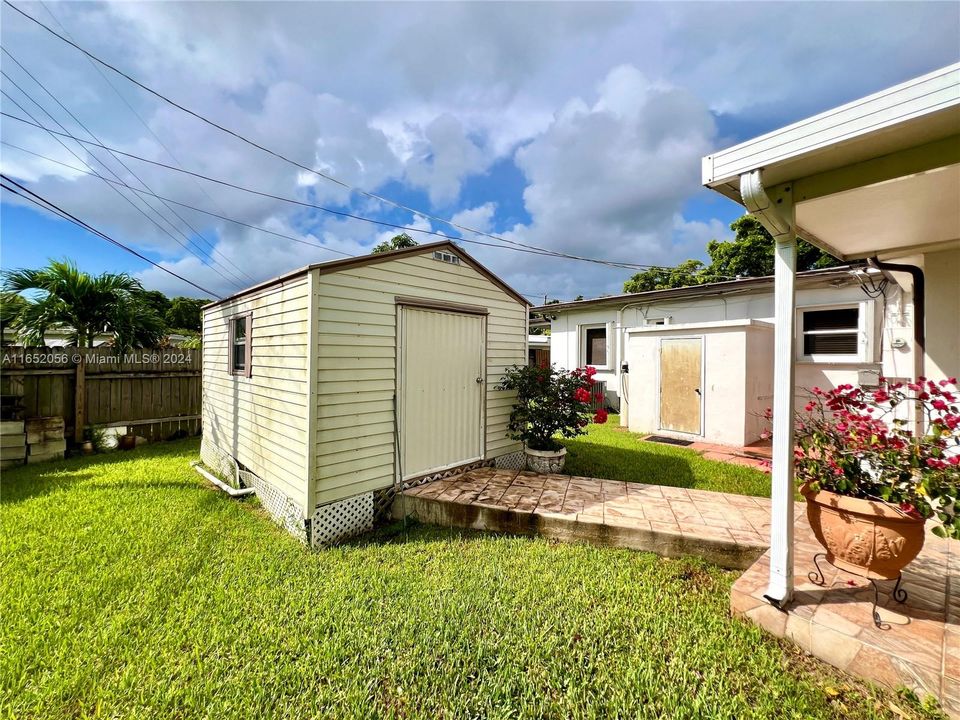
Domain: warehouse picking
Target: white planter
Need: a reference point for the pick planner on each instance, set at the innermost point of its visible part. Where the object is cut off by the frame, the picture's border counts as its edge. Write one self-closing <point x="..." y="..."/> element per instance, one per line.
<point x="545" y="461"/>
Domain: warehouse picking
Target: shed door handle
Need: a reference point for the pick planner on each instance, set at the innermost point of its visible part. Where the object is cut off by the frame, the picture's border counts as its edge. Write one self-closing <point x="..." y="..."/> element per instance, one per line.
<point x="479" y="380"/>
<point x="697" y="391"/>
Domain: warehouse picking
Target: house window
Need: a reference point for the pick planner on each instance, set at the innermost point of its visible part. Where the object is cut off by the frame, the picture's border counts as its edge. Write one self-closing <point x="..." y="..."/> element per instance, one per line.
<point x="831" y="333"/>
<point x="240" y="335"/>
<point x="595" y="346"/>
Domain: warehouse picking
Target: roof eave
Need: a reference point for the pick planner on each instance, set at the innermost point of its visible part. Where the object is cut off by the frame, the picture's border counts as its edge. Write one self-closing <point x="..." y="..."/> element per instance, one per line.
<point x="360" y="260"/>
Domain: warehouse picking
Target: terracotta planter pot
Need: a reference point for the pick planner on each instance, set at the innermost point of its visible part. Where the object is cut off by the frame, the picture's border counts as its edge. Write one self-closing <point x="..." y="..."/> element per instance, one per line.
<point x="866" y="537"/>
<point x="127" y="442"/>
<point x="546" y="461"/>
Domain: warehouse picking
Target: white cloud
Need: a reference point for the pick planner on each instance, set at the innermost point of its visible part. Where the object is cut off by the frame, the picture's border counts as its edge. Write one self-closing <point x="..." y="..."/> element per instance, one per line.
<point x="608" y="179"/>
<point x="442" y="158"/>
<point x="476" y="218"/>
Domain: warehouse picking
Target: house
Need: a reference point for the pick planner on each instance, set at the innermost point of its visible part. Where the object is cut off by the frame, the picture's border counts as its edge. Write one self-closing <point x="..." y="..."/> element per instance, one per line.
<point x="58" y="337"/>
<point x="877" y="179"/>
<point x="346" y="379"/>
<point x="695" y="362"/>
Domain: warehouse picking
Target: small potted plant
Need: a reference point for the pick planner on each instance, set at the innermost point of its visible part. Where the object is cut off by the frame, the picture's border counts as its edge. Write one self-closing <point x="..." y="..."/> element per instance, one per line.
<point x="86" y="446"/>
<point x="550" y="402"/>
<point x="869" y="481"/>
<point x="127" y="441"/>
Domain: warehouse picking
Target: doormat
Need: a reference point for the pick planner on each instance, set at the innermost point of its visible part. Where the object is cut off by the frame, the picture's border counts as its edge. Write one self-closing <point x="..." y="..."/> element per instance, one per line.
<point x="667" y="440"/>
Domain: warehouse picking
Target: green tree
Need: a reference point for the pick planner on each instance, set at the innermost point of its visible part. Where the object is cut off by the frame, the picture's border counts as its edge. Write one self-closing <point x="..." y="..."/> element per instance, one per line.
<point x="11" y="305"/>
<point x="686" y="273"/>
<point x="749" y="254"/>
<point x="395" y="243"/>
<point x="85" y="305"/>
<point x="157" y="300"/>
<point x="185" y="314"/>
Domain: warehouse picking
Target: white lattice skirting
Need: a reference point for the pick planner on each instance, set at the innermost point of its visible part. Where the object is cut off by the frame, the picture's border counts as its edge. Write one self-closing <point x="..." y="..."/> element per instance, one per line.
<point x="441" y="474"/>
<point x="511" y="461"/>
<point x="341" y="520"/>
<point x="285" y="512"/>
<point x="282" y="509"/>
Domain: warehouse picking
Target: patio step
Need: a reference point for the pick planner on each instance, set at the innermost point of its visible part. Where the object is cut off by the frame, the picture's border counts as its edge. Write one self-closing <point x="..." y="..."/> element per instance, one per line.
<point x="729" y="530"/>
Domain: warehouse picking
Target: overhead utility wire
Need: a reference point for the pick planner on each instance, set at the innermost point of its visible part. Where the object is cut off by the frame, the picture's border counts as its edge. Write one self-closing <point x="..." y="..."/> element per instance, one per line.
<point x="239" y="273"/>
<point x="609" y="263"/>
<point x="57" y="210"/>
<point x="54" y="134"/>
<point x="280" y="156"/>
<point x="143" y="122"/>
<point x="177" y="202"/>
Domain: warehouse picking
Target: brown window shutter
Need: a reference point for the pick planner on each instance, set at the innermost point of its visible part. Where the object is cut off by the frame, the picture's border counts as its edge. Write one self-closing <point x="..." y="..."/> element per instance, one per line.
<point x="230" y="339"/>
<point x="248" y="350"/>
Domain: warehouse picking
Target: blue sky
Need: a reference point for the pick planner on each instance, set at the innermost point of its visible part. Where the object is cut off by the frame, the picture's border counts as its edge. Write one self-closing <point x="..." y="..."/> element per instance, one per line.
<point x="576" y="127"/>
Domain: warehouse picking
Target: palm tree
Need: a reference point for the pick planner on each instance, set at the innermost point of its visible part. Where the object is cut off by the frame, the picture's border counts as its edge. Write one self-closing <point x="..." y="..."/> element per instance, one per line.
<point x="83" y="304"/>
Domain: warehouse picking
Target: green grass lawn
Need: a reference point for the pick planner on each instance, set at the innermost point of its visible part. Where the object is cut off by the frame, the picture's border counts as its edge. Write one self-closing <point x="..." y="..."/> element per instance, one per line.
<point x="613" y="453"/>
<point x="133" y="590"/>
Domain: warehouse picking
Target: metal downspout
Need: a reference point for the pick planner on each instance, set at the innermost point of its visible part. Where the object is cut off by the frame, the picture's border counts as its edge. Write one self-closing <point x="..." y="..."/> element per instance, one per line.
<point x="778" y="217"/>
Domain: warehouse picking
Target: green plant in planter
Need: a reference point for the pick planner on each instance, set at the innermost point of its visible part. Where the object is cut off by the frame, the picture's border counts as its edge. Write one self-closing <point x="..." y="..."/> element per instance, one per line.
<point x="550" y="401"/>
<point x="849" y="442"/>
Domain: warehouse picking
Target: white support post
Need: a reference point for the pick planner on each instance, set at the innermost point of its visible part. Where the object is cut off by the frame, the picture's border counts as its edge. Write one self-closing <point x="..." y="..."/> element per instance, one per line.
<point x="777" y="216"/>
<point x="780" y="590"/>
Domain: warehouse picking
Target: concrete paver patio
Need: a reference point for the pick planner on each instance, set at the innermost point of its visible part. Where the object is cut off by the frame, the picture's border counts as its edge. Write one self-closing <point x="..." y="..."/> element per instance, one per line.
<point x="730" y="530"/>
<point x="919" y="645"/>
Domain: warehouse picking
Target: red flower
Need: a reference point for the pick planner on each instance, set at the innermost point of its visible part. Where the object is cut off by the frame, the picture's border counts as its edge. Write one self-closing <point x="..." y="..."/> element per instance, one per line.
<point x="591" y="371"/>
<point x="601" y="417"/>
<point x="581" y="395"/>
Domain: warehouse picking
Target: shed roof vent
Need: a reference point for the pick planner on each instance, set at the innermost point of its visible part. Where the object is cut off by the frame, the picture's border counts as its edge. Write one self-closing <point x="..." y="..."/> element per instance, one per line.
<point x="446" y="257"/>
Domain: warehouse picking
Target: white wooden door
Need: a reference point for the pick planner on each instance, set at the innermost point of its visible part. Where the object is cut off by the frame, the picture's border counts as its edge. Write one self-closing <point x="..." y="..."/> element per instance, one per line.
<point x="441" y="389"/>
<point x="681" y="373"/>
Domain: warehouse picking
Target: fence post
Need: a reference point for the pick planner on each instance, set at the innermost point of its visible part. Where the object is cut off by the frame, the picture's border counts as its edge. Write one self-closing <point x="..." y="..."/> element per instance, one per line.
<point x="80" y="399"/>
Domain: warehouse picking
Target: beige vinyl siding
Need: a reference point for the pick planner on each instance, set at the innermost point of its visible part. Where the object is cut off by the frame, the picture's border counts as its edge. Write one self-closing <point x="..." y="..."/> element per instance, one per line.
<point x="356" y="321"/>
<point x="262" y="420"/>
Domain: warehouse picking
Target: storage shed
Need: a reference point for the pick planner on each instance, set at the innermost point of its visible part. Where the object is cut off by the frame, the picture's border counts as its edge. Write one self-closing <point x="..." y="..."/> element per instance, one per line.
<point x="706" y="381"/>
<point x="328" y="388"/>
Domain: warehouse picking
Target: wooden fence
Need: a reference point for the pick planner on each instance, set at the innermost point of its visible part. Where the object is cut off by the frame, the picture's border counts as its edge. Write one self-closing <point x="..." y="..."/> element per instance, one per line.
<point x="154" y="392"/>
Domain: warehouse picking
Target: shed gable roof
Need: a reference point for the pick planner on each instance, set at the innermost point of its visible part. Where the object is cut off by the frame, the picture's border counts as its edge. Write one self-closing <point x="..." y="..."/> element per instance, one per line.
<point x="372" y="259"/>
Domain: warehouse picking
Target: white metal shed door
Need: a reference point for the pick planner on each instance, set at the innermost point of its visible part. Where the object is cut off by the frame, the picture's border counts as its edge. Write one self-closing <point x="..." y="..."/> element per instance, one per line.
<point x="441" y="389"/>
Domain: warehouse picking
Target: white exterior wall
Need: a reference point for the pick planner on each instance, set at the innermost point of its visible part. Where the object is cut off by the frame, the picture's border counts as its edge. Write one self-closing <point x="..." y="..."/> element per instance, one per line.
<point x="262" y="420"/>
<point x="753" y="305"/>
<point x="356" y="364"/>
<point x="942" y="278"/>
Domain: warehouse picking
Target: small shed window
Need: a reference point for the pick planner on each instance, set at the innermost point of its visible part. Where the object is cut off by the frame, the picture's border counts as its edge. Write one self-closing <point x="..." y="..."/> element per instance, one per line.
<point x="831" y="333"/>
<point x="240" y="336"/>
<point x="595" y="346"/>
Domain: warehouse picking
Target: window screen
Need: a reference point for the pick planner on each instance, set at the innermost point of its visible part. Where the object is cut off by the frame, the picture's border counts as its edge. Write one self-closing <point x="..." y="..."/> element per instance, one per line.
<point x="831" y="332"/>
<point x="596" y="346"/>
<point x="239" y="359"/>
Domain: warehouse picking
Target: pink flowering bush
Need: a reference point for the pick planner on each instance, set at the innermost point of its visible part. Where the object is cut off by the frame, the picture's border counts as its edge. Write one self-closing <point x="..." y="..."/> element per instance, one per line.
<point x="550" y="401"/>
<point x="849" y="442"/>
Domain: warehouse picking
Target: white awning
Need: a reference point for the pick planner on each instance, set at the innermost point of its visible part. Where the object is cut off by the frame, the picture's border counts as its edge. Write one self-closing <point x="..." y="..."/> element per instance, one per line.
<point x="878" y="176"/>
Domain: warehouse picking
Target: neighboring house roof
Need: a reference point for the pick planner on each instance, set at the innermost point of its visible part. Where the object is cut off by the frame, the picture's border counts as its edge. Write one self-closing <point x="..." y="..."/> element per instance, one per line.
<point x="335" y="265"/>
<point x="705" y="290"/>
